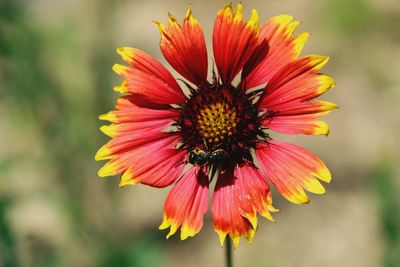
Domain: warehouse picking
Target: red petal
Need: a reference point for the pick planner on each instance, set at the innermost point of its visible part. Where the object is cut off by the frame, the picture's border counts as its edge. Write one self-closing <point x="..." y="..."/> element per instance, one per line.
<point x="226" y="210"/>
<point x="287" y="98"/>
<point x="147" y="78"/>
<point x="303" y="87"/>
<point x="237" y="199"/>
<point x="283" y="48"/>
<point x="298" y="124"/>
<point x="255" y="59"/>
<point x="292" y="71"/>
<point x="128" y="110"/>
<point x="233" y="41"/>
<point x="292" y="169"/>
<point x="317" y="107"/>
<point x="186" y="204"/>
<point x="254" y="193"/>
<point x="155" y="162"/>
<point x="184" y="48"/>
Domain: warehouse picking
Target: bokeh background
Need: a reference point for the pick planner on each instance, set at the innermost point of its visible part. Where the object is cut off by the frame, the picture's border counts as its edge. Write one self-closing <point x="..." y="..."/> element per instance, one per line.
<point x="56" y="78"/>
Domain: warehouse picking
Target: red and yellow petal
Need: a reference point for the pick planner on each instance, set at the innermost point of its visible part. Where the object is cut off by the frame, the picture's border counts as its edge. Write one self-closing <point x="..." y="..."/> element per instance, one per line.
<point x="293" y="71"/>
<point x="140" y="149"/>
<point x="147" y="78"/>
<point x="234" y="41"/>
<point x="156" y="163"/>
<point x="184" y="47"/>
<point x="288" y="98"/>
<point x="237" y="198"/>
<point x="186" y="204"/>
<point x="283" y="48"/>
<point x="130" y="110"/>
<point x="292" y="170"/>
<point x="254" y="189"/>
<point x="304" y="87"/>
<point x="292" y="108"/>
<point x="298" y="124"/>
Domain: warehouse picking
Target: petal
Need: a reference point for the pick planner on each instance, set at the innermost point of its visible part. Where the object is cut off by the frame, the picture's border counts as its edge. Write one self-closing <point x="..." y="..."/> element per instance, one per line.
<point x="186" y="204"/>
<point x="156" y="163"/>
<point x="233" y="41"/>
<point x="237" y="199"/>
<point x="123" y="141"/>
<point x="134" y="126"/>
<point x="299" y="89"/>
<point x="298" y="124"/>
<point x="296" y="72"/>
<point x="283" y="48"/>
<point x="148" y="78"/>
<point x="139" y="148"/>
<point x="254" y="192"/>
<point x="255" y="59"/>
<point x="318" y="107"/>
<point x="288" y="94"/>
<point x="292" y="169"/>
<point x="226" y="214"/>
<point x="184" y="47"/>
<point x="128" y="110"/>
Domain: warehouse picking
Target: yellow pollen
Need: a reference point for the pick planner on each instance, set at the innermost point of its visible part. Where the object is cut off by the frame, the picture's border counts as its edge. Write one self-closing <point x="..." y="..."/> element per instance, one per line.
<point x="217" y="121"/>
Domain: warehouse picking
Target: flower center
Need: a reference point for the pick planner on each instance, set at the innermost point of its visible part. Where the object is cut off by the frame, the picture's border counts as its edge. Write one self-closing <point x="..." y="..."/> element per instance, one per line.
<point x="219" y="124"/>
<point x="217" y="121"/>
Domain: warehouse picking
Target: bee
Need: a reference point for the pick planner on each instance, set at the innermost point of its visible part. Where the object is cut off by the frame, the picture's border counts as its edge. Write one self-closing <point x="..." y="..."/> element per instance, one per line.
<point x="200" y="157"/>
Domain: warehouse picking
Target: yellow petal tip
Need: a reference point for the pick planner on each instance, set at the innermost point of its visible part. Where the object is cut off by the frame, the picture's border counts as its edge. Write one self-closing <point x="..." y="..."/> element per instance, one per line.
<point x="126" y="53"/>
<point x="282" y="19"/>
<point x="110" y="130"/>
<point x="121" y="88"/>
<point x="127" y="178"/>
<point x="120" y="69"/>
<point x="222" y="235"/>
<point x="103" y="153"/>
<point x="110" y="116"/>
<point x="187" y="231"/>
<point x="108" y="169"/>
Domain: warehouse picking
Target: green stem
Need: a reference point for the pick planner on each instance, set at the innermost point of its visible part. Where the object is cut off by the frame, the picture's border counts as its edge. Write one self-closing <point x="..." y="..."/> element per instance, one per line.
<point x="228" y="253"/>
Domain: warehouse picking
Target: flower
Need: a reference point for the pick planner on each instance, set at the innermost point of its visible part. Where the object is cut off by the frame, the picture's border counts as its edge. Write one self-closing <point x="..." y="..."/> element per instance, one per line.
<point x="163" y="133"/>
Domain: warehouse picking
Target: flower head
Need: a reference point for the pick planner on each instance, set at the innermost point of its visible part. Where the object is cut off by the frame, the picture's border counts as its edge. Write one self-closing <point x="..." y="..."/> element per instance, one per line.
<point x="165" y="134"/>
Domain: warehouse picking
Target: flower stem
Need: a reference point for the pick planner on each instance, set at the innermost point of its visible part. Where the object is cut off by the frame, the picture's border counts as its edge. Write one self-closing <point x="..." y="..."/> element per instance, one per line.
<point x="228" y="253"/>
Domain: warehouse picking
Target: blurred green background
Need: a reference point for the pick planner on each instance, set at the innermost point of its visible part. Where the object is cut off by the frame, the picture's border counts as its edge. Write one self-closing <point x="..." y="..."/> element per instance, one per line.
<point x="56" y="78"/>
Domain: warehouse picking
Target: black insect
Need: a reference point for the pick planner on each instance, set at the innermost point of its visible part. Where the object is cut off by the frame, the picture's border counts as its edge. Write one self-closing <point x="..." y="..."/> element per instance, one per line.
<point x="200" y="157"/>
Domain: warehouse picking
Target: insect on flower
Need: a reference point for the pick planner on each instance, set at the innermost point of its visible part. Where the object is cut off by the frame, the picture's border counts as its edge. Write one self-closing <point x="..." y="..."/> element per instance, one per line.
<point x="217" y="126"/>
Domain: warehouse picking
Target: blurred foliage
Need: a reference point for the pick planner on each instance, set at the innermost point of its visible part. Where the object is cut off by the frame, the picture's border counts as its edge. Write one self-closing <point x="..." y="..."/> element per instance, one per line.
<point x="358" y="18"/>
<point x="353" y="17"/>
<point x="8" y="253"/>
<point x="135" y="253"/>
<point x="383" y="182"/>
<point x="67" y="124"/>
